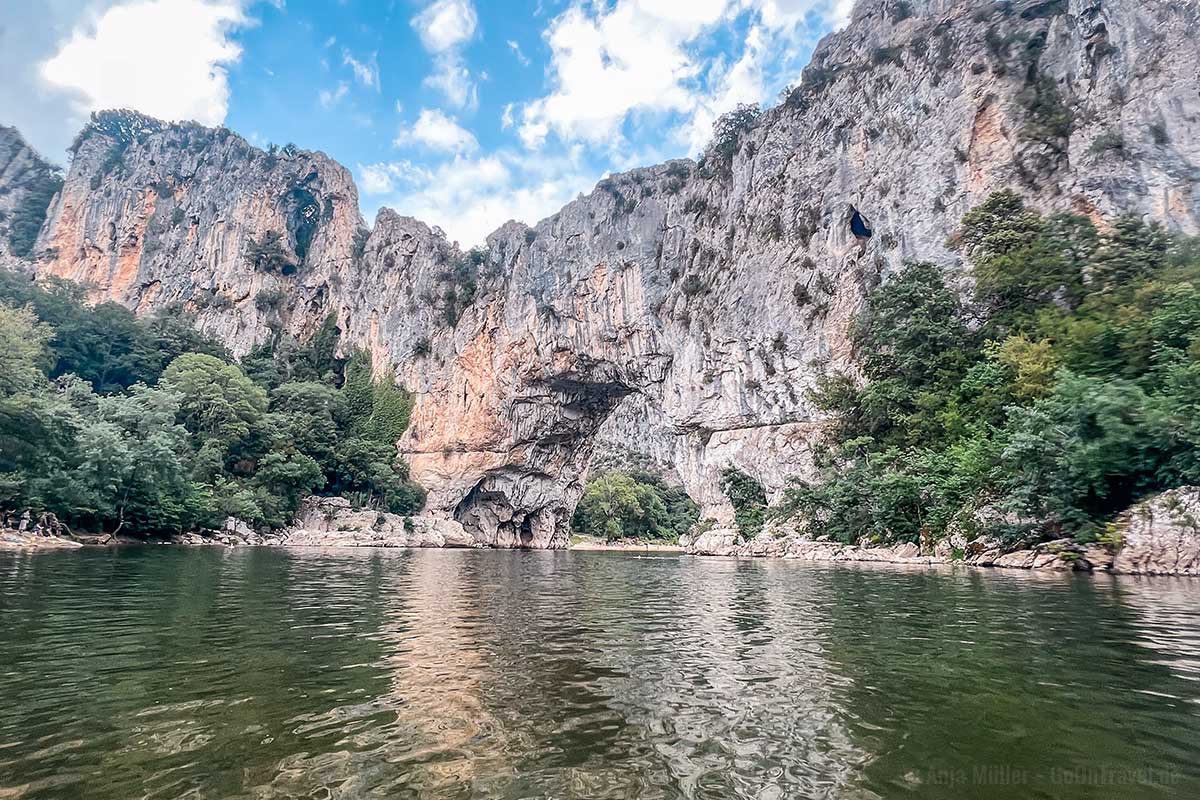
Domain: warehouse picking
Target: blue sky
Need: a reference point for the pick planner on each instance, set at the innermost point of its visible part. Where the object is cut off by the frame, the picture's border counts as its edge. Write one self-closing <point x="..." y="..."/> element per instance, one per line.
<point x="464" y="113"/>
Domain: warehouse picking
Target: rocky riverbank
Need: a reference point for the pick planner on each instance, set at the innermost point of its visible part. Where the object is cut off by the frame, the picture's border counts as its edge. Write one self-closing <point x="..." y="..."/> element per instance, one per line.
<point x="333" y="522"/>
<point x="1159" y="536"/>
<point x="28" y="540"/>
<point x="624" y="546"/>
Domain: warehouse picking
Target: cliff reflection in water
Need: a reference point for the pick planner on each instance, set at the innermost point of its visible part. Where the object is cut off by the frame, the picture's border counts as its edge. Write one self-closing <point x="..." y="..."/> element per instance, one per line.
<point x="270" y="673"/>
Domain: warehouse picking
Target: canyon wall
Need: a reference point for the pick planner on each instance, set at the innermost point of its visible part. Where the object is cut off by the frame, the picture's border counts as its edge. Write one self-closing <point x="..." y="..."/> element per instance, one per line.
<point x="682" y="310"/>
<point x="22" y="171"/>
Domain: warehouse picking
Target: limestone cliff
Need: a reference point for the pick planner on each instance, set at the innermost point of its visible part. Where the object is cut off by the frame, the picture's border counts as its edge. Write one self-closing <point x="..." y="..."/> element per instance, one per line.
<point x="24" y="175"/>
<point x="680" y="310"/>
<point x="153" y="215"/>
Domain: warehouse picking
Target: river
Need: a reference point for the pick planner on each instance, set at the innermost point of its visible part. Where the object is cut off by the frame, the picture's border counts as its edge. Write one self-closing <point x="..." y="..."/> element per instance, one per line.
<point x="172" y="672"/>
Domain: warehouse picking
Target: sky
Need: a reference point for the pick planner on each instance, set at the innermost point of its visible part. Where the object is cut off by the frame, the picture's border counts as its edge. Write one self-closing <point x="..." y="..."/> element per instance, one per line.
<point x="462" y="113"/>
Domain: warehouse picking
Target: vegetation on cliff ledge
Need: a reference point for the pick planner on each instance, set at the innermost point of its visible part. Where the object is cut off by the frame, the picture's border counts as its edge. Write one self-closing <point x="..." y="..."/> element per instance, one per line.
<point x="147" y="427"/>
<point x="29" y="214"/>
<point x="1063" y="389"/>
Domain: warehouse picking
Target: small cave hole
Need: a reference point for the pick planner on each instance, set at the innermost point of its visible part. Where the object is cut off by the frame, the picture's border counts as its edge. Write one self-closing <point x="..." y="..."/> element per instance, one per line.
<point x="859" y="225"/>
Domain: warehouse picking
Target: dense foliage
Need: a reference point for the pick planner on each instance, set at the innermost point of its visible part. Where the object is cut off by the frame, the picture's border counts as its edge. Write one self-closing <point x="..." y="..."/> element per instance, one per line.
<point x="1063" y="390"/>
<point x="749" y="501"/>
<point x="633" y="505"/>
<point x="27" y="217"/>
<point x="146" y="427"/>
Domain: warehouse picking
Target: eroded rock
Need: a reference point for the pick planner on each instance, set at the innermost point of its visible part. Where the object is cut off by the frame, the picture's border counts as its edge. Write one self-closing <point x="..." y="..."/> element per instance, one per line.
<point x="332" y="522"/>
<point x="1161" y="535"/>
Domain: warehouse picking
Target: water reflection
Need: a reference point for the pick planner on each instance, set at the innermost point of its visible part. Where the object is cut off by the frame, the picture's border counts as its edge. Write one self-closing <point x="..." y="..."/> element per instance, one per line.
<point x="264" y="674"/>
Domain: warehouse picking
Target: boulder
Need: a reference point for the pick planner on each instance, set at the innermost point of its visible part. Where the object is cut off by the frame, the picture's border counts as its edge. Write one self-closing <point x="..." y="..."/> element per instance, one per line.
<point x="713" y="542"/>
<point x="333" y="522"/>
<point x="1160" y="536"/>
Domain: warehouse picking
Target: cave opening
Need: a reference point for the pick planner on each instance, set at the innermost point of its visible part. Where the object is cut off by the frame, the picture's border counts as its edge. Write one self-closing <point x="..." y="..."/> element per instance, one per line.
<point x="861" y="228"/>
<point x="303" y="213"/>
<point x="859" y="225"/>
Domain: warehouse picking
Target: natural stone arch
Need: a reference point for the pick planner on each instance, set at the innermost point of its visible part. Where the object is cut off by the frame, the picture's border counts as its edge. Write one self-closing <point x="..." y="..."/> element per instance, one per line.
<point x="527" y="499"/>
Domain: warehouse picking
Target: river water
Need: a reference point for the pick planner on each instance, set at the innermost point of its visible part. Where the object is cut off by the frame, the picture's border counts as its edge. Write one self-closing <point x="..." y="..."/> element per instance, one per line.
<point x="260" y="673"/>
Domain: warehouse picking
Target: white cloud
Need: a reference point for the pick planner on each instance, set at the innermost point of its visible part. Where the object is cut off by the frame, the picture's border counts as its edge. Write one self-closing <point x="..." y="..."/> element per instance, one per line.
<point x="438" y="131"/>
<point x="445" y="26"/>
<point x="606" y="65"/>
<point x="167" y="58"/>
<point x="521" y="57"/>
<point x="469" y="197"/>
<point x="648" y="57"/>
<point x="330" y="97"/>
<point x="365" y="72"/>
<point x="381" y="178"/>
<point x="506" y="118"/>
<point x="451" y="77"/>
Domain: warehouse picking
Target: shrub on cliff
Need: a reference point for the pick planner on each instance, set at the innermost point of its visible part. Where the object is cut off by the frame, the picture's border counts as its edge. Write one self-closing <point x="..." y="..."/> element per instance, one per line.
<point x="727" y="134"/>
<point x="460" y="280"/>
<point x="26" y="220"/>
<point x="266" y="254"/>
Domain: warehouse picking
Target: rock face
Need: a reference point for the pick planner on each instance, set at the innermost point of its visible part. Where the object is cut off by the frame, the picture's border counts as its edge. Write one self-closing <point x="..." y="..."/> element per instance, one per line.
<point x="680" y="310"/>
<point x="153" y="216"/>
<point x="1161" y="536"/>
<point x="21" y="170"/>
<point x="331" y="522"/>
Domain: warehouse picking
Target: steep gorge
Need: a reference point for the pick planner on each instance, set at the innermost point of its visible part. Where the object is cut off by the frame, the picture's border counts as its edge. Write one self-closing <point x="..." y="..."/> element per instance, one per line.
<point x="681" y="310"/>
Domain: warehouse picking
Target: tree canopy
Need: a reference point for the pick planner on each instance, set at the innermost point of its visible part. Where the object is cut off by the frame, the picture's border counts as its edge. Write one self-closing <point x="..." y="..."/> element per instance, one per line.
<point x="1058" y="392"/>
<point x="147" y="427"/>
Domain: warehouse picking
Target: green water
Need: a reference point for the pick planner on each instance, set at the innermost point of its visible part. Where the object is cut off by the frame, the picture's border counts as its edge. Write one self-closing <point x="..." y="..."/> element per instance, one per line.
<point x="257" y="673"/>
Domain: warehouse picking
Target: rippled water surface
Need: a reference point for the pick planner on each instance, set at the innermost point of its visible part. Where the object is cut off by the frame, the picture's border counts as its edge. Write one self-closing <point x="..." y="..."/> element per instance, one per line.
<point x="257" y="673"/>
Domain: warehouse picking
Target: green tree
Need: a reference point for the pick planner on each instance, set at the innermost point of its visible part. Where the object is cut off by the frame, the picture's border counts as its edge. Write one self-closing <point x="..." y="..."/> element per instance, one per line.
<point x="1081" y="454"/>
<point x="749" y="501"/>
<point x="217" y="401"/>
<point x="610" y="507"/>
<point x="1021" y="261"/>
<point x="29" y="214"/>
<point x="1066" y="392"/>
<point x="25" y="344"/>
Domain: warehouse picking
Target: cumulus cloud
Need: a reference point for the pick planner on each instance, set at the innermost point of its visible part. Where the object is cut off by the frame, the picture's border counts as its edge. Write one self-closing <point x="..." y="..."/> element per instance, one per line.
<point x="471" y="196"/>
<point x="167" y="58"/>
<point x="438" y="131"/>
<point x="445" y="26"/>
<point x="647" y="57"/>
<point x="381" y="178"/>
<point x="452" y="78"/>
